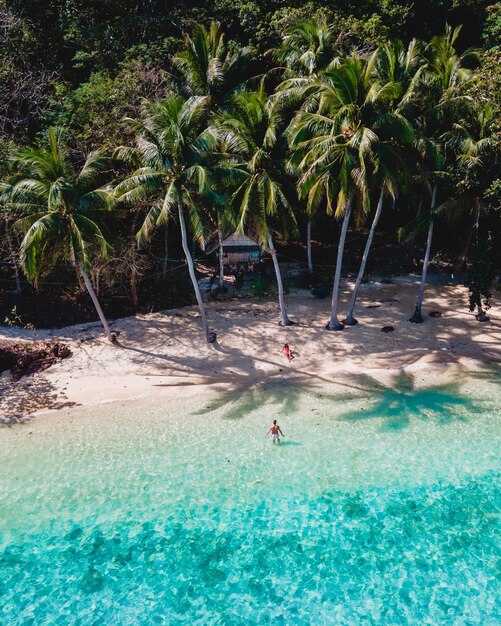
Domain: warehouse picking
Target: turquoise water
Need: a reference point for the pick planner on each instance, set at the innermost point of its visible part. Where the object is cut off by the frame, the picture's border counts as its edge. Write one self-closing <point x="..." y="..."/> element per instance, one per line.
<point x="380" y="507"/>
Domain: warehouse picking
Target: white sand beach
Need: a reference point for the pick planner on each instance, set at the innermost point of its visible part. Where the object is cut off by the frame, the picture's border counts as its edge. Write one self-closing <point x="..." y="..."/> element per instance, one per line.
<point x="164" y="353"/>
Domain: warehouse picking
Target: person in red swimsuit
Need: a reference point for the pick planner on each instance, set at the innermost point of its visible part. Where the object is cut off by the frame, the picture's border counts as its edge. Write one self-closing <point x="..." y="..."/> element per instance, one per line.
<point x="275" y="431"/>
<point x="287" y="352"/>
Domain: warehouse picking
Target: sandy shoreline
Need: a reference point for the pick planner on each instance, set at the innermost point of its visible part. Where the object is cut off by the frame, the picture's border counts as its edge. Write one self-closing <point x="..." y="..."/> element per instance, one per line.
<point x="163" y="354"/>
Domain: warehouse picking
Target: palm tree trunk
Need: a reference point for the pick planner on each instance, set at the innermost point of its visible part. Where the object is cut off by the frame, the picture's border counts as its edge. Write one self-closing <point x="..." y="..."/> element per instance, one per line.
<point x="481" y="315"/>
<point x="466" y="246"/>
<point x="166" y="250"/>
<point x="350" y="319"/>
<point x="464" y="252"/>
<point x="417" y="317"/>
<point x="210" y="337"/>
<point x="308" y="246"/>
<point x="221" y="265"/>
<point x="13" y="259"/>
<point x="283" y="310"/>
<point x="99" y="310"/>
<point x="334" y="323"/>
<point x="412" y="241"/>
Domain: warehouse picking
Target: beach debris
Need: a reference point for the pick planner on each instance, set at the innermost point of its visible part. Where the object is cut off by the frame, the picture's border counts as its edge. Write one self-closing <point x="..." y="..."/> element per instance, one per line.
<point x="435" y="314"/>
<point x="387" y="329"/>
<point x="23" y="359"/>
<point x="373" y="306"/>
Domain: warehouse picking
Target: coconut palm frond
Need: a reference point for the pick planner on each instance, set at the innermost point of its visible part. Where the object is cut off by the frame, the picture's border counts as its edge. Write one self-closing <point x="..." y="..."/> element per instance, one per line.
<point x="91" y="233"/>
<point x="150" y="223"/>
<point x="38" y="235"/>
<point x="96" y="164"/>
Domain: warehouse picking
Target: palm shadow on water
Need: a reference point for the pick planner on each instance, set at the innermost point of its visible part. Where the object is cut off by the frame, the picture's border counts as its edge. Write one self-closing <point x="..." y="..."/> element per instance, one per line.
<point x="284" y="398"/>
<point x="402" y="402"/>
<point x="281" y="397"/>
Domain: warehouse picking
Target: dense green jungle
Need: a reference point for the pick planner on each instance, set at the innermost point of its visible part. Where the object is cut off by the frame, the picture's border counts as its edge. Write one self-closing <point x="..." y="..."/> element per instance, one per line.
<point x="347" y="139"/>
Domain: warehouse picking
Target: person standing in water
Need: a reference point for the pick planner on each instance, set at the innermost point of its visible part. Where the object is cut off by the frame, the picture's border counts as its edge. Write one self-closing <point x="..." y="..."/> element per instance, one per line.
<point x="275" y="431"/>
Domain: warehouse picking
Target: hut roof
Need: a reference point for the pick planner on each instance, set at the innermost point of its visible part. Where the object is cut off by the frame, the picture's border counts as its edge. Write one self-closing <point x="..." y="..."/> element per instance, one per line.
<point x="240" y="241"/>
<point x="232" y="243"/>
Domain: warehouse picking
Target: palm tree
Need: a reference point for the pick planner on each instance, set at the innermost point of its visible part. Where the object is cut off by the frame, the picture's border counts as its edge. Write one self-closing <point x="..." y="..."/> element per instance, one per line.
<point x="208" y="67"/>
<point x="250" y="136"/>
<point x="440" y="92"/>
<point x="333" y="147"/>
<point x="475" y="144"/>
<point x="417" y="316"/>
<point x="57" y="205"/>
<point x="308" y="48"/>
<point x="211" y="69"/>
<point x="398" y="70"/>
<point x="395" y="75"/>
<point x="390" y="174"/>
<point x="174" y="149"/>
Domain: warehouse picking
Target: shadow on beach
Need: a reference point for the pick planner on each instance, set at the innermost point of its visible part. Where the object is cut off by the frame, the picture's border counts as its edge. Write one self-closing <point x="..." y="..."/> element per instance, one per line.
<point x="248" y="371"/>
<point x="20" y="400"/>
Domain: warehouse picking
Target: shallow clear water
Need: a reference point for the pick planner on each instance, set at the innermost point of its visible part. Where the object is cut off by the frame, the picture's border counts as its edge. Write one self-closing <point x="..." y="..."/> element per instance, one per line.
<point x="379" y="507"/>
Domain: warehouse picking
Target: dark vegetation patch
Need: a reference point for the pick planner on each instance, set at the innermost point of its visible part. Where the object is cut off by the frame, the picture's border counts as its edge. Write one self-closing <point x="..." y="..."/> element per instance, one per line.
<point x="23" y="359"/>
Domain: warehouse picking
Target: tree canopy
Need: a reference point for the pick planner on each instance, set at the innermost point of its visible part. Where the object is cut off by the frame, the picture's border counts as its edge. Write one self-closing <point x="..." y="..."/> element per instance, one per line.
<point x="274" y="116"/>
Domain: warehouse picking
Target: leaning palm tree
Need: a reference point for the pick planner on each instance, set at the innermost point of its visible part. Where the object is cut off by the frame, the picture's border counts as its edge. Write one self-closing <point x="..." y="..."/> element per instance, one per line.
<point x="390" y="174"/>
<point x="396" y="73"/>
<point x="208" y="67"/>
<point x="441" y="96"/>
<point x="173" y="150"/>
<point x="308" y="48"/>
<point x="332" y="147"/>
<point x="57" y="205"/>
<point x="249" y="135"/>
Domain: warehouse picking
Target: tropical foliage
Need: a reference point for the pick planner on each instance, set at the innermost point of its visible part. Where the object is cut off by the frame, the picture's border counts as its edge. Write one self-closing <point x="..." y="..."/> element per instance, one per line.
<point x="56" y="207"/>
<point x="285" y="126"/>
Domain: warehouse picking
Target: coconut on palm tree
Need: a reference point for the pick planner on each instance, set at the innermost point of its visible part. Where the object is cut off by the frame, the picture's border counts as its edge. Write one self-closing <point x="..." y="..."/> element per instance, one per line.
<point x="174" y="153"/>
<point x="250" y="136"/>
<point x="58" y="205"/>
